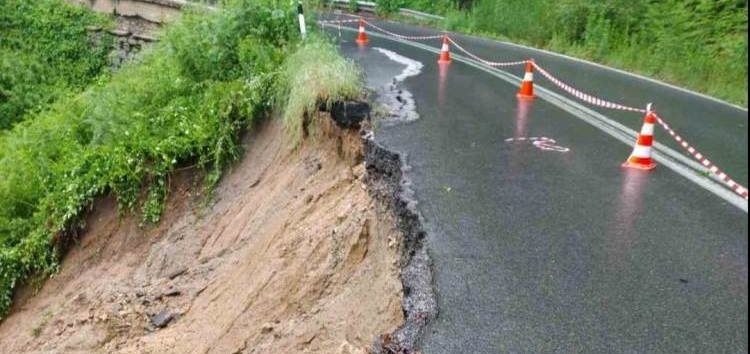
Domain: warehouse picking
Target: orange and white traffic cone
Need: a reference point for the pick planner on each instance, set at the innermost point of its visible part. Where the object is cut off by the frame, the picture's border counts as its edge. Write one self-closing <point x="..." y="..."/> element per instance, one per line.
<point x="362" y="37"/>
<point x="445" y="51"/>
<point x="527" y="84"/>
<point x="641" y="156"/>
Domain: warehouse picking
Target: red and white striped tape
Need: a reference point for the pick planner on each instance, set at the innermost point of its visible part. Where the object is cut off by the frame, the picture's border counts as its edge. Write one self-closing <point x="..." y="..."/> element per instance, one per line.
<point x="484" y="61"/>
<point x="584" y="96"/>
<point x="734" y="186"/>
<point x="414" y="38"/>
<point x="337" y="21"/>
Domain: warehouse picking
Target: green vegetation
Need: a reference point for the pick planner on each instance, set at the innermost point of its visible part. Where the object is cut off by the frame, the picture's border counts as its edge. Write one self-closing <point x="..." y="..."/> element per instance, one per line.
<point x="184" y="103"/>
<point x="698" y="44"/>
<point x="309" y="84"/>
<point x="45" y="54"/>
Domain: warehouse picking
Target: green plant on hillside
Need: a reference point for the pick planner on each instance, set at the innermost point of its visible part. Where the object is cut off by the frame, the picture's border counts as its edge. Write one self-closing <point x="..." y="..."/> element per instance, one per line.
<point x="388" y="6"/>
<point x="45" y="53"/>
<point x="184" y="103"/>
<point x="353" y="6"/>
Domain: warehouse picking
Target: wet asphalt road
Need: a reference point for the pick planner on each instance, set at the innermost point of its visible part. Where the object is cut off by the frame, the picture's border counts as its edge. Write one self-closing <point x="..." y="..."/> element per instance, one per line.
<point x="718" y="130"/>
<point x="549" y="252"/>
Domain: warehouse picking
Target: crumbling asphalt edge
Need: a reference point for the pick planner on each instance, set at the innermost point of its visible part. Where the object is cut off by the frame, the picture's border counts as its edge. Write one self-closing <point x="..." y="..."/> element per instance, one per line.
<point x="386" y="183"/>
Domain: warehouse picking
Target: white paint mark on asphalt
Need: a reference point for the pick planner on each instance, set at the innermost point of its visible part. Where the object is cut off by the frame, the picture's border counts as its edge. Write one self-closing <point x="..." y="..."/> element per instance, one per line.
<point x="542" y="143"/>
<point x="393" y="95"/>
<point x="413" y="67"/>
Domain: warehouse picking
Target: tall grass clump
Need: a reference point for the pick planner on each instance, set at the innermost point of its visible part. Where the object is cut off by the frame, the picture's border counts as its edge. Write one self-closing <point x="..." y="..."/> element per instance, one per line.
<point x="183" y="103"/>
<point x="698" y="44"/>
<point x="45" y="53"/>
<point x="316" y="74"/>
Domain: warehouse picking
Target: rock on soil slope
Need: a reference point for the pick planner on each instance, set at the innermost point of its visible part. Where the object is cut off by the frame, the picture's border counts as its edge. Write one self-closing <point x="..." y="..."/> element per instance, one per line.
<point x="292" y="256"/>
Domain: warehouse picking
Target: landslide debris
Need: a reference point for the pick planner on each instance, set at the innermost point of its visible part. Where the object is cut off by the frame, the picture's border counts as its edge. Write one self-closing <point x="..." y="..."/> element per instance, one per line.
<point x="293" y="255"/>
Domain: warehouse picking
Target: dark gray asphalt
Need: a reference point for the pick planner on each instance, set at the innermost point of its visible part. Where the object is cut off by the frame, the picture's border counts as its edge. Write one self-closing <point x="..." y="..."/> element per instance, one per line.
<point x="541" y="252"/>
<point x="716" y="129"/>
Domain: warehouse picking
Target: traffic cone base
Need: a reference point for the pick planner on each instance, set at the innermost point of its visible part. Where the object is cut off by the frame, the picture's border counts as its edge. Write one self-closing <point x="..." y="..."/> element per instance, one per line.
<point x="525" y="97"/>
<point x="362" y="38"/>
<point x="640" y="165"/>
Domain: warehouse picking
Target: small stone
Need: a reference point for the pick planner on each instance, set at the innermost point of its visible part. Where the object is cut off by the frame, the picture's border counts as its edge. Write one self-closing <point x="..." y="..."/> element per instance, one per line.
<point x="359" y="171"/>
<point x="162" y="319"/>
<point x="347" y="175"/>
<point x="172" y="292"/>
<point x="176" y="273"/>
<point x="119" y="33"/>
<point x="266" y="328"/>
<point x="144" y="38"/>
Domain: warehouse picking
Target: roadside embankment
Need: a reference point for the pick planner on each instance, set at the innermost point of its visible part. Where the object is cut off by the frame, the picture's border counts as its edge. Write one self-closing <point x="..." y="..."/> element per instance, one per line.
<point x="294" y="255"/>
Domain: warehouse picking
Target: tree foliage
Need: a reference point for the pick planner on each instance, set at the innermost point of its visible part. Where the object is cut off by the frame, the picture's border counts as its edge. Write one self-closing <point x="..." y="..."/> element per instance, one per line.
<point x="45" y="53"/>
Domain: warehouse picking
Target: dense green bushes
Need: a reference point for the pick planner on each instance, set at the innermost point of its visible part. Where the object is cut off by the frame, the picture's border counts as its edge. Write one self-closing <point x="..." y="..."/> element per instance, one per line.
<point x="183" y="103"/>
<point x="432" y="6"/>
<point x="700" y="44"/>
<point x="45" y="53"/>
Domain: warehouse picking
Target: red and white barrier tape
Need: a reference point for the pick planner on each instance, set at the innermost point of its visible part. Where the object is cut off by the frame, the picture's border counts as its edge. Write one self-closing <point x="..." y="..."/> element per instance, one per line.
<point x="414" y="38"/>
<point x="337" y="21"/>
<point x="734" y="186"/>
<point x="483" y="61"/>
<point x="584" y="96"/>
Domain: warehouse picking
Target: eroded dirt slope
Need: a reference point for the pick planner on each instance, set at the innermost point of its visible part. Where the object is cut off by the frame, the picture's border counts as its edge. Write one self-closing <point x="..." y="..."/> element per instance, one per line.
<point x="293" y="257"/>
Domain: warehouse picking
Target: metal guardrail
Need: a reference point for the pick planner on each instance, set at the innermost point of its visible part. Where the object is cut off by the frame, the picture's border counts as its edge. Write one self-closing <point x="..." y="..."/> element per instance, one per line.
<point x="365" y="6"/>
<point x="371" y="7"/>
<point x="420" y="15"/>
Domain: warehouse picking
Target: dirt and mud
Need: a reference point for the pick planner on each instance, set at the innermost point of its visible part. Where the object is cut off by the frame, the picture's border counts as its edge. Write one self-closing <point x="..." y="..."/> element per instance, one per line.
<point x="292" y="255"/>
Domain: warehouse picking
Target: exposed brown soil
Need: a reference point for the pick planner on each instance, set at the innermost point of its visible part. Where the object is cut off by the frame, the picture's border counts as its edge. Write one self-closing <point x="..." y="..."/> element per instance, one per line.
<point x="293" y="256"/>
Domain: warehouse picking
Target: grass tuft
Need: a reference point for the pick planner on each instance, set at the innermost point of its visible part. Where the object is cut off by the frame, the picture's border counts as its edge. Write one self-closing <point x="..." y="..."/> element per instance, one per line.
<point x="315" y="74"/>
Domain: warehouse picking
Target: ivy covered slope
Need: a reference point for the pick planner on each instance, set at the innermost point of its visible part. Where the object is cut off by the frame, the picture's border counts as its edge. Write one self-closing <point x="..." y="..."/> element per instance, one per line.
<point x="45" y="53"/>
<point x="184" y="103"/>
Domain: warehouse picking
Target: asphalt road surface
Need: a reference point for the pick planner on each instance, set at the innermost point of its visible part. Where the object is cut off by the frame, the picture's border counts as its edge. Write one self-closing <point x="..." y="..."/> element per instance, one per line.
<point x="554" y="251"/>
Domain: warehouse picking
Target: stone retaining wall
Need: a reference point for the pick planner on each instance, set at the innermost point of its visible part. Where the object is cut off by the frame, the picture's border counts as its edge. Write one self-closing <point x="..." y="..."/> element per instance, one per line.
<point x="156" y="11"/>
